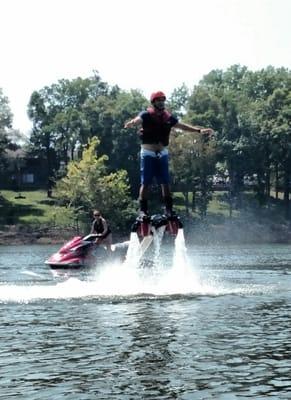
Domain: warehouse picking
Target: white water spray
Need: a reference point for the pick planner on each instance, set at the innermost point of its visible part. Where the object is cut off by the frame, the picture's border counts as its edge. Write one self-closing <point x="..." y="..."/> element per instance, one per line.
<point x="181" y="278"/>
<point x="133" y="252"/>
<point x="136" y="276"/>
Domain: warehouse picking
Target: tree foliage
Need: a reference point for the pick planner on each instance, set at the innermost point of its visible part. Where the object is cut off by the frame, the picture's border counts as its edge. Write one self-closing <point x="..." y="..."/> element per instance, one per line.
<point x="246" y="110"/>
<point x="249" y="111"/>
<point x="88" y="185"/>
<point x="68" y="113"/>
<point x="5" y="125"/>
<point x="193" y="162"/>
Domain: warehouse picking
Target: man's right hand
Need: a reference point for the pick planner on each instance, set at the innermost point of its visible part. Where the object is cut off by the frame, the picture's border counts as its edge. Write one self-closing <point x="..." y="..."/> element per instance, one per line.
<point x="129" y="124"/>
<point x="135" y="121"/>
<point x="207" y="131"/>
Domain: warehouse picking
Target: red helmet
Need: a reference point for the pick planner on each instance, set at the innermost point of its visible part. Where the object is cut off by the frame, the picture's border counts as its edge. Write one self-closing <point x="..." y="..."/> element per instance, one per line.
<point x="156" y="95"/>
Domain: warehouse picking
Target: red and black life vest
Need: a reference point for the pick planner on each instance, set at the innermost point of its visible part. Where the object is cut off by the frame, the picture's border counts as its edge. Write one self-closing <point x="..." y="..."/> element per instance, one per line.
<point x="156" y="127"/>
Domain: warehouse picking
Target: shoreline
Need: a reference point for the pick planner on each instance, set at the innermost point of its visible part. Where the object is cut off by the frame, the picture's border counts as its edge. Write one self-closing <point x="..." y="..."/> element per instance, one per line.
<point x="200" y="234"/>
<point x="17" y="236"/>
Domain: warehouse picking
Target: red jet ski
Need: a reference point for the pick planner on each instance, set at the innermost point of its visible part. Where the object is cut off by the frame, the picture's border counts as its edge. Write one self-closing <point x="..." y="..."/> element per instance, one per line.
<point x="83" y="252"/>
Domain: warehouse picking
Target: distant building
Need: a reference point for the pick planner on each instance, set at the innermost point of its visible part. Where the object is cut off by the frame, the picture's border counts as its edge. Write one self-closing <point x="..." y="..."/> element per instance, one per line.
<point x="29" y="173"/>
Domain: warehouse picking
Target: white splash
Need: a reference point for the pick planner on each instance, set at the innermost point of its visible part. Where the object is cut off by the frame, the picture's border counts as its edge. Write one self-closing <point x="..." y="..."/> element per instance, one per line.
<point x="181" y="277"/>
<point x="133" y="251"/>
<point x="128" y="278"/>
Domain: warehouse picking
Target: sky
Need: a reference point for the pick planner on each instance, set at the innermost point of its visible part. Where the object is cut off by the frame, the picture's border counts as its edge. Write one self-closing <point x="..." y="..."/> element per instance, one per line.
<point x="147" y="45"/>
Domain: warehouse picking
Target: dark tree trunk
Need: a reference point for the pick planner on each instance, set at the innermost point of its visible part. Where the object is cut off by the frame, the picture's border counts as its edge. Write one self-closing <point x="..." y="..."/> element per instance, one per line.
<point x="193" y="200"/>
<point x="276" y="181"/>
<point x="287" y="192"/>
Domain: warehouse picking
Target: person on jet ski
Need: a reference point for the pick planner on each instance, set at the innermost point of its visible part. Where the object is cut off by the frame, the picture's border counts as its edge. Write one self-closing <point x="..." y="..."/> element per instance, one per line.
<point x="156" y="123"/>
<point x="101" y="229"/>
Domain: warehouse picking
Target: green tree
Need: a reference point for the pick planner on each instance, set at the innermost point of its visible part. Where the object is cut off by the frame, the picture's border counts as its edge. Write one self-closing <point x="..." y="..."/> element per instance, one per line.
<point x="178" y="100"/>
<point x="226" y="101"/>
<point x="193" y="165"/>
<point x="5" y="124"/>
<point x="126" y="142"/>
<point x="59" y="118"/>
<point x="262" y="118"/>
<point x="88" y="185"/>
<point x="276" y="121"/>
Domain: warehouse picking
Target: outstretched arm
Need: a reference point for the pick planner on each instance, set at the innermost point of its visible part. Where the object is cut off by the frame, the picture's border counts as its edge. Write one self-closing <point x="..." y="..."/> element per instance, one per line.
<point x="135" y="121"/>
<point x="191" y="128"/>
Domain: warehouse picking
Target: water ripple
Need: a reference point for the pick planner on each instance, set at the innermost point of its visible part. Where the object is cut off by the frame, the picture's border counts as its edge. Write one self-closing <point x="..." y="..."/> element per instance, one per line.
<point x="226" y="337"/>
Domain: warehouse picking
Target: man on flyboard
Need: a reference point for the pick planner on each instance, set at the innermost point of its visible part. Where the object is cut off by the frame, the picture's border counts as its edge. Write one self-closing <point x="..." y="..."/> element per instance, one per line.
<point x="156" y="124"/>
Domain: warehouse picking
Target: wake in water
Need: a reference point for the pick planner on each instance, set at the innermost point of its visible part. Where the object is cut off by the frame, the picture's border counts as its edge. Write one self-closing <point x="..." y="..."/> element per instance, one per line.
<point x="149" y="273"/>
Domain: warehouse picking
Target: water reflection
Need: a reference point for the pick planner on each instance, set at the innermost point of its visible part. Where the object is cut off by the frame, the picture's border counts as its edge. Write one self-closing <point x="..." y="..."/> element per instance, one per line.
<point x="150" y="355"/>
<point x="68" y="337"/>
<point x="251" y="345"/>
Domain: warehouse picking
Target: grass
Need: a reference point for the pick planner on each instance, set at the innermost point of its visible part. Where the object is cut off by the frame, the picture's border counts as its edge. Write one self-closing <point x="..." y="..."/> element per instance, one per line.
<point x="34" y="208"/>
<point x="218" y="208"/>
<point x="31" y="208"/>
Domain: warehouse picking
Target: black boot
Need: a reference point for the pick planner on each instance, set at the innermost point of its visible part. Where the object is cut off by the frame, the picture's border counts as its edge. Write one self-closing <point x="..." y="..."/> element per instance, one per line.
<point x="143" y="207"/>
<point x="168" y="206"/>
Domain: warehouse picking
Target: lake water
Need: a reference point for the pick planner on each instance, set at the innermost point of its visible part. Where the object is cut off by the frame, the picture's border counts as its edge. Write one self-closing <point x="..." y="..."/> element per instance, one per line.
<point x="210" y="324"/>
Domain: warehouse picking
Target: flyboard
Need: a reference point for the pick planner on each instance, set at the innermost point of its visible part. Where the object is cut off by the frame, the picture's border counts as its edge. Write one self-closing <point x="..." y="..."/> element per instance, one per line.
<point x="148" y="228"/>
